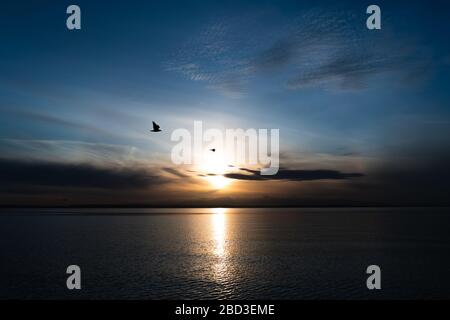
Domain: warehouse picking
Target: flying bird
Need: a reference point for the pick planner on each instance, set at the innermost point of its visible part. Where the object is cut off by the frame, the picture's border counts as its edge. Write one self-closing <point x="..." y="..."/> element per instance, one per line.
<point x="156" y="127"/>
<point x="213" y="150"/>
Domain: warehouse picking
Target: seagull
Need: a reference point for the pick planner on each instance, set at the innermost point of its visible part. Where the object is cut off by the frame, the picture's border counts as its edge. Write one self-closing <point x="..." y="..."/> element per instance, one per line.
<point x="213" y="150"/>
<point x="156" y="127"/>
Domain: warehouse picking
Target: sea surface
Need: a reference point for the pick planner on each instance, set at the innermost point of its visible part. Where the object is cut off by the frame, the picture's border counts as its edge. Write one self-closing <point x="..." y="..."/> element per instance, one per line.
<point x="302" y="253"/>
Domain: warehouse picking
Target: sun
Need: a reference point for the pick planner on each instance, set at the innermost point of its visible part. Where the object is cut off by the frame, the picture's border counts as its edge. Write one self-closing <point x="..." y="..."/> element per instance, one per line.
<point x="218" y="182"/>
<point x="213" y="167"/>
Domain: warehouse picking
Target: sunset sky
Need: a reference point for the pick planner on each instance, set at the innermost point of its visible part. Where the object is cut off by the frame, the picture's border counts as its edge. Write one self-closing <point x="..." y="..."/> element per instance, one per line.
<point x="364" y="115"/>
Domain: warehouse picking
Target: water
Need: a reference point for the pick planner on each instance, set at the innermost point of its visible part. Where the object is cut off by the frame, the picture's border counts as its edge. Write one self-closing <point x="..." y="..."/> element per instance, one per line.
<point x="225" y="253"/>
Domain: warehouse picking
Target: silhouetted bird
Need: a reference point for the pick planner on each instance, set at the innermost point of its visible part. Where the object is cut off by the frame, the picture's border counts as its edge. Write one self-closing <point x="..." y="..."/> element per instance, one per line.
<point x="156" y="127"/>
<point x="213" y="150"/>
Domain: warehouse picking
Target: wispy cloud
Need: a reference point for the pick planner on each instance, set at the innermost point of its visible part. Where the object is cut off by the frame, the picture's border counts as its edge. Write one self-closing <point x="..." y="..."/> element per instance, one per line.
<point x="69" y="151"/>
<point x="318" y="48"/>
<point x="175" y="172"/>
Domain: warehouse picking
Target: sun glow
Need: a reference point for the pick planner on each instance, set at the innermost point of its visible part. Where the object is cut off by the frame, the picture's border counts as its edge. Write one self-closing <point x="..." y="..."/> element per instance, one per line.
<point x="214" y="167"/>
<point x="218" y="182"/>
<point x="219" y="210"/>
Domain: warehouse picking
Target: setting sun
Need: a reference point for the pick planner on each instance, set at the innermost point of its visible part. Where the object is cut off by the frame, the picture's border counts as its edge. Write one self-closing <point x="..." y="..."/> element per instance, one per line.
<point x="214" y="167"/>
<point x="218" y="182"/>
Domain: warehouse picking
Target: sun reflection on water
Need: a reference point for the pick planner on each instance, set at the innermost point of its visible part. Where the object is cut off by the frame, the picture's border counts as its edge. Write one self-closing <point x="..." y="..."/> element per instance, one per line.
<point x="222" y="269"/>
<point x="219" y="230"/>
<point x="219" y="235"/>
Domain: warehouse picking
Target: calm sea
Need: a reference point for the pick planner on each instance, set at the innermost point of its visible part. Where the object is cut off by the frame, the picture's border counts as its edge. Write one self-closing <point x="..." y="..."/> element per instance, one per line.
<point x="225" y="253"/>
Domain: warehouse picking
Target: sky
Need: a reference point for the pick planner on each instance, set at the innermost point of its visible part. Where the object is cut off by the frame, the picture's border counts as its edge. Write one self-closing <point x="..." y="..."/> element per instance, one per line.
<point x="364" y="115"/>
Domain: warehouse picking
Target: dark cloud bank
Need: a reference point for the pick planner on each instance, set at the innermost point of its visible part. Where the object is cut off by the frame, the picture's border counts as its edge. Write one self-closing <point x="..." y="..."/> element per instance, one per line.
<point x="294" y="175"/>
<point x="27" y="183"/>
<point x="23" y="173"/>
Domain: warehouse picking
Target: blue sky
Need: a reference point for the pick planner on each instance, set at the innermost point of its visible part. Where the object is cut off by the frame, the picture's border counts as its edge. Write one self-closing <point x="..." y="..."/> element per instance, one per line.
<point x="345" y="98"/>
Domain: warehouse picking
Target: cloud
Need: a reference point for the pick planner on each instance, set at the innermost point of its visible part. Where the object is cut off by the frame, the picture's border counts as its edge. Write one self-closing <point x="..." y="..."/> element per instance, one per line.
<point x="175" y="172"/>
<point x="398" y="181"/>
<point x="294" y="175"/>
<point x="24" y="173"/>
<point x="346" y="71"/>
<point x="279" y="54"/>
<point x="320" y="47"/>
<point x="70" y="151"/>
<point x="57" y="121"/>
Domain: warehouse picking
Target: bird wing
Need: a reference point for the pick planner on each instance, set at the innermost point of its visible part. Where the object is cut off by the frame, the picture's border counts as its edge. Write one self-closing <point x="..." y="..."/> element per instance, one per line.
<point x="155" y="126"/>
